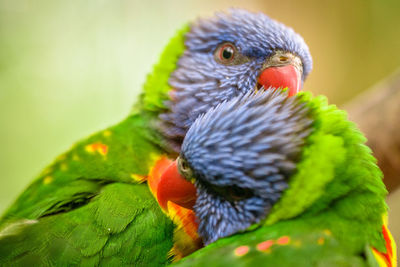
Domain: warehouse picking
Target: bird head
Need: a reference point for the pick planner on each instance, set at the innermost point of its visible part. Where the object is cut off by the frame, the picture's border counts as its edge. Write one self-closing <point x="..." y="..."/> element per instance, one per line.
<point x="227" y="55"/>
<point x="235" y="161"/>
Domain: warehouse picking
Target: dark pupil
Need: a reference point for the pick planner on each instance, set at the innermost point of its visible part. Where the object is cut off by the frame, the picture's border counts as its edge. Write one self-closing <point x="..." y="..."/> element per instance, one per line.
<point x="238" y="193"/>
<point x="227" y="53"/>
<point x="184" y="165"/>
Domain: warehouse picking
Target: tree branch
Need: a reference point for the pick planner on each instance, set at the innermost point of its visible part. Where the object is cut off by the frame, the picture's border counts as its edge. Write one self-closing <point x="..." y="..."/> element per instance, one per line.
<point x="377" y="113"/>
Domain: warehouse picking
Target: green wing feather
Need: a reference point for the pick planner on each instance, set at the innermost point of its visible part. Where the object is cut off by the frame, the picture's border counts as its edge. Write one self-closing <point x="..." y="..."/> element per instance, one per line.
<point x="86" y="207"/>
<point x="122" y="223"/>
<point x="113" y="155"/>
<point x="289" y="243"/>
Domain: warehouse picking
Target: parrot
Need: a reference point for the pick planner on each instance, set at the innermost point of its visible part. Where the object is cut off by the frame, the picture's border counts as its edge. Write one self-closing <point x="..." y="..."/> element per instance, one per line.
<point x="280" y="181"/>
<point x="94" y="204"/>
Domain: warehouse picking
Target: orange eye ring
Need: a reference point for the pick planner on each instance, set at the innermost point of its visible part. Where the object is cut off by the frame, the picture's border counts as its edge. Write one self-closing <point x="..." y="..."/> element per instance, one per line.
<point x="226" y="53"/>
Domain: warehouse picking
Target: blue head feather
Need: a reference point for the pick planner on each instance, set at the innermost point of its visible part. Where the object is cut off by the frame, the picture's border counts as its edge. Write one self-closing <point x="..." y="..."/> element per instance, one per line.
<point x="240" y="155"/>
<point x="200" y="82"/>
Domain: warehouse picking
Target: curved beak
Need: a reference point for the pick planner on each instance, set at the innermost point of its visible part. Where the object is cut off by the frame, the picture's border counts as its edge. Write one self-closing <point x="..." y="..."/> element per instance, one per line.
<point x="175" y="188"/>
<point x="282" y="70"/>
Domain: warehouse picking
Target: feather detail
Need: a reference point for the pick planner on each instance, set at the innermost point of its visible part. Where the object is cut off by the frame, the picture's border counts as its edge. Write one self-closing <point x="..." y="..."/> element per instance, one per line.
<point x="186" y="239"/>
<point x="388" y="258"/>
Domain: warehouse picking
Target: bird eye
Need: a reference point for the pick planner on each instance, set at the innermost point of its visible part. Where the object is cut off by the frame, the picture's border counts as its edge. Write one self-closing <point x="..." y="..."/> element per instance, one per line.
<point x="225" y="53"/>
<point x="184" y="168"/>
<point x="283" y="59"/>
<point x="239" y="193"/>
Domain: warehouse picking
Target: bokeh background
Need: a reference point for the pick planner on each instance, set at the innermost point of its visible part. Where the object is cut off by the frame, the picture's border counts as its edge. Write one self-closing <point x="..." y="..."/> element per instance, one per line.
<point x="70" y="68"/>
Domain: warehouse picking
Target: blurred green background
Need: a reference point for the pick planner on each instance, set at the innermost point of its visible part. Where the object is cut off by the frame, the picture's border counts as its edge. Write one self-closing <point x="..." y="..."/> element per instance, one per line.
<point x="70" y="68"/>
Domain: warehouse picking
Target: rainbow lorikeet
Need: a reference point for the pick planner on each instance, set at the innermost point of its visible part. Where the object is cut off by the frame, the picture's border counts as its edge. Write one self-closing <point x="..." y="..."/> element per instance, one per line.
<point x="281" y="182"/>
<point x="92" y="206"/>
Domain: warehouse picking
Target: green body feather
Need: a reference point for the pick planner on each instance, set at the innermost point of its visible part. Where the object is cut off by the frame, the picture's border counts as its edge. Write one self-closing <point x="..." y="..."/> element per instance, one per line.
<point x="330" y="215"/>
<point x="88" y="207"/>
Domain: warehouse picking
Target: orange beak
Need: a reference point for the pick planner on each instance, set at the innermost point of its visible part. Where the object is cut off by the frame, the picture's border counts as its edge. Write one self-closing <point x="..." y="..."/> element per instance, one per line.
<point x="281" y="77"/>
<point x="175" y="188"/>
